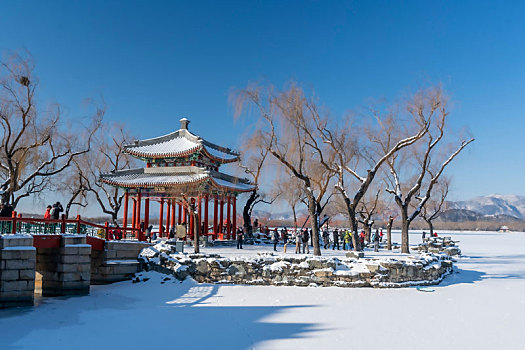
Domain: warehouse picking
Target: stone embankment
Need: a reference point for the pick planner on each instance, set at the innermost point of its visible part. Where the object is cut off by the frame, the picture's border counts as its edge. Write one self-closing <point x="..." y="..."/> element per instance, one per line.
<point x="293" y="270"/>
<point x="439" y="245"/>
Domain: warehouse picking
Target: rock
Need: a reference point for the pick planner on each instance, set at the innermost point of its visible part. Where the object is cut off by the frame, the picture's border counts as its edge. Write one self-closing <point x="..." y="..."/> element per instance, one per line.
<point x="451" y="251"/>
<point x="236" y="269"/>
<point x="323" y="273"/>
<point x="202" y="267"/>
<point x="372" y="268"/>
<point x="355" y="255"/>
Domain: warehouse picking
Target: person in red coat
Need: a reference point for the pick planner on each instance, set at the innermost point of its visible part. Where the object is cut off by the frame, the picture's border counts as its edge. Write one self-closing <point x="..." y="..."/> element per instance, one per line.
<point x="47" y="214"/>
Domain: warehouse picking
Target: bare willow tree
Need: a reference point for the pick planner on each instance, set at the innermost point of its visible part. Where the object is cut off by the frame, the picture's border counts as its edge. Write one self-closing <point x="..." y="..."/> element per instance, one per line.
<point x="369" y="206"/>
<point x="35" y="145"/>
<point x="292" y="193"/>
<point x="74" y="187"/>
<point x="254" y="157"/>
<point x="108" y="156"/>
<point x="436" y="203"/>
<point x="363" y="148"/>
<point x="289" y="134"/>
<point x="420" y="166"/>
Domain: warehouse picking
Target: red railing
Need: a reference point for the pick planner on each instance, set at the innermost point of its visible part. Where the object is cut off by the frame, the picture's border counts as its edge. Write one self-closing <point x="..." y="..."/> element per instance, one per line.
<point x="17" y="224"/>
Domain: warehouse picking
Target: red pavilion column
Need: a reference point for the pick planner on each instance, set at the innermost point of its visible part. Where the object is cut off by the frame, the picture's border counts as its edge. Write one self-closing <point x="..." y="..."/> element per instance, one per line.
<point x="180" y="215"/>
<point x="199" y="210"/>
<point x="161" y="219"/>
<point x="215" y="211"/>
<point x="206" y="214"/>
<point x="139" y="199"/>
<point x="125" y="218"/>
<point x="185" y="220"/>
<point x="146" y="213"/>
<point x="134" y="214"/>
<point x="168" y="214"/>
<point x="192" y="223"/>
<point x="221" y="216"/>
<point x="173" y="203"/>
<point x="228" y="218"/>
<point x="234" y="199"/>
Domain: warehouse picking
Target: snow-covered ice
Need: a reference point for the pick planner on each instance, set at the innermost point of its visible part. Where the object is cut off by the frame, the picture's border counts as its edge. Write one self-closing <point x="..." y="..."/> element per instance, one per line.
<point x="480" y="307"/>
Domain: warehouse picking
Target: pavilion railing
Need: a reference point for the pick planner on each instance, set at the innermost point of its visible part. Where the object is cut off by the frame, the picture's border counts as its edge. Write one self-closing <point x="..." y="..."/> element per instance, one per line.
<point x="18" y="224"/>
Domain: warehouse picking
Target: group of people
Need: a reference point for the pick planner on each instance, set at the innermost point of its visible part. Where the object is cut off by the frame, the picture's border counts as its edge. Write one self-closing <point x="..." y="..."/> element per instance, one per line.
<point x="301" y="238"/>
<point x="53" y="211"/>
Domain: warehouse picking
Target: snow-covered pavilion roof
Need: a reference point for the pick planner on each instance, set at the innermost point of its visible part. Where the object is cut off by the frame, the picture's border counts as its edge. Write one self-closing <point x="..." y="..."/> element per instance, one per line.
<point x="175" y="177"/>
<point x="179" y="144"/>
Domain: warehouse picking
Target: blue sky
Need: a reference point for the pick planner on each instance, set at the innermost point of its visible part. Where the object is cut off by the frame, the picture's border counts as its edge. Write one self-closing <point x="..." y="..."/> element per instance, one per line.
<point x="157" y="61"/>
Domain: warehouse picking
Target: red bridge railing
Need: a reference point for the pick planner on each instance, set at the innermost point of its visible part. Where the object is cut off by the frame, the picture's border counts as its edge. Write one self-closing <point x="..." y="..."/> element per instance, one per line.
<point x="18" y="224"/>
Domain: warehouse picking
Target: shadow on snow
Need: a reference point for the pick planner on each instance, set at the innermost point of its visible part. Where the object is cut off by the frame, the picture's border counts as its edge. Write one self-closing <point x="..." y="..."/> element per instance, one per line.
<point x="174" y="315"/>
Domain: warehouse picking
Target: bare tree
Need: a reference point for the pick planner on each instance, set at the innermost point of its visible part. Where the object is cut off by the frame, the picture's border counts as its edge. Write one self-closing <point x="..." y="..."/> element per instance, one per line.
<point x="74" y="186"/>
<point x="435" y="204"/>
<point x="193" y="210"/>
<point x="289" y="135"/>
<point x="381" y="141"/>
<point x="254" y="158"/>
<point x="369" y="206"/>
<point x="389" y="232"/>
<point x="292" y="194"/>
<point x="431" y="105"/>
<point x="108" y="156"/>
<point x="34" y="144"/>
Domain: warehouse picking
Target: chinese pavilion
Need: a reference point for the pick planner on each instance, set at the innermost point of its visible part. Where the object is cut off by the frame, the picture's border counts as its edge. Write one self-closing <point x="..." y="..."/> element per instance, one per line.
<point x="179" y="165"/>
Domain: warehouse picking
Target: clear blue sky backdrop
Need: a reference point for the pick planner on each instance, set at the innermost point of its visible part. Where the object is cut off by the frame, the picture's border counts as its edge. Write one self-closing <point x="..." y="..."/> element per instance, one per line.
<point x="157" y="61"/>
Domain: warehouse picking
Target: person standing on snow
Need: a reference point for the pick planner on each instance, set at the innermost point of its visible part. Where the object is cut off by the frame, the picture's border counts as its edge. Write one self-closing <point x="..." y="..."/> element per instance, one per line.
<point x="335" y="237"/>
<point x="298" y="240"/>
<point x="376" y="241"/>
<point x="347" y="240"/>
<point x="326" y="239"/>
<point x="56" y="210"/>
<point x="362" y="240"/>
<point x="47" y="215"/>
<point x="240" y="236"/>
<point x="275" y="239"/>
<point x="305" y="242"/>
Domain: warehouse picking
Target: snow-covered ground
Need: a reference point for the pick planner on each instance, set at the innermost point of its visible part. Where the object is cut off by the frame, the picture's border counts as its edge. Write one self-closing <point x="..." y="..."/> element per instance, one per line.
<point x="480" y="307"/>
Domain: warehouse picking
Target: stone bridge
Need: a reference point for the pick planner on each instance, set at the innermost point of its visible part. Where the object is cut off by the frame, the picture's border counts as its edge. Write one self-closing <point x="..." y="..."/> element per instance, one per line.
<point x="61" y="264"/>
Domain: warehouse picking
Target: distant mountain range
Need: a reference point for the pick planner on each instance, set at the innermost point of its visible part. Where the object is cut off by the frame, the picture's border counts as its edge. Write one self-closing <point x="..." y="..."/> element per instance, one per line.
<point x="503" y="207"/>
<point x="494" y="207"/>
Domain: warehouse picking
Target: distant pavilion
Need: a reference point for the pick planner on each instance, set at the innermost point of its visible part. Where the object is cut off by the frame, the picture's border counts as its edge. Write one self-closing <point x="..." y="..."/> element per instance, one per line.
<point x="181" y="164"/>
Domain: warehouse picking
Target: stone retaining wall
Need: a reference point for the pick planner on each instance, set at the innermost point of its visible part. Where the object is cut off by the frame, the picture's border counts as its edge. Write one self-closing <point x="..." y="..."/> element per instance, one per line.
<point x="17" y="270"/>
<point x="118" y="261"/>
<point x="424" y="269"/>
<point x="65" y="270"/>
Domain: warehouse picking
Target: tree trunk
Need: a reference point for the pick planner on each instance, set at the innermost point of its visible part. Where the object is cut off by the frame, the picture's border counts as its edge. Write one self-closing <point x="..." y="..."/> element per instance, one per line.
<point x="354" y="227"/>
<point x="247" y="220"/>
<point x="314" y="215"/>
<point x="6" y="198"/>
<point x="368" y="231"/>
<point x="430" y="227"/>
<point x="389" y="233"/>
<point x="405" y="223"/>
<point x="196" y="230"/>
<point x="294" y="218"/>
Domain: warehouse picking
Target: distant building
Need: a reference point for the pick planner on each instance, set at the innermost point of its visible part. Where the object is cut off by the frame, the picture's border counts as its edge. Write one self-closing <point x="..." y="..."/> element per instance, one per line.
<point x="504" y="229"/>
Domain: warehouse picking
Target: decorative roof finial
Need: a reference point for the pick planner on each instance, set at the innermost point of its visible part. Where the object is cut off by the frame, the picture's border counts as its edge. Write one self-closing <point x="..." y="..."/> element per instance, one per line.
<point x="184" y="123"/>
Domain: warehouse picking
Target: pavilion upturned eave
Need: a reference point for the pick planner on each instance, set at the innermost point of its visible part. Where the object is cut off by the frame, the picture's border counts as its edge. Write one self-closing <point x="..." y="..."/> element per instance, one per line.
<point x="180" y="143"/>
<point x="174" y="178"/>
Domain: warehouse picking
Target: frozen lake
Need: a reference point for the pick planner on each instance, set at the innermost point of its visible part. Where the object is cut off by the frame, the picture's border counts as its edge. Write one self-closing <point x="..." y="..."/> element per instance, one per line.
<point x="481" y="306"/>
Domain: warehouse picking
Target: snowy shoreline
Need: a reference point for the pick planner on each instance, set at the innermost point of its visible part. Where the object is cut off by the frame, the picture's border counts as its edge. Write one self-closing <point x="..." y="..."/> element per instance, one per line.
<point x="267" y="268"/>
